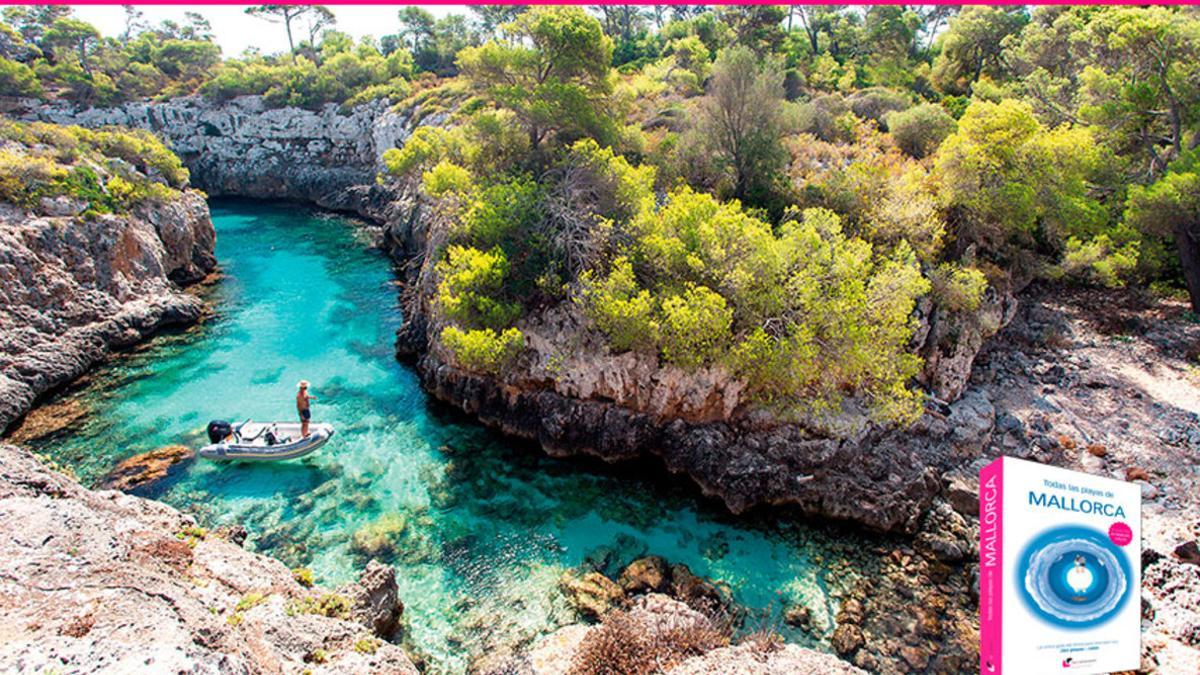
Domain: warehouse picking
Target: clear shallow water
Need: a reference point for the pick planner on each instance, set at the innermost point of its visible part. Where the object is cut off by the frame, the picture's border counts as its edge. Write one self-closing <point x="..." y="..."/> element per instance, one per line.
<point x="479" y="527"/>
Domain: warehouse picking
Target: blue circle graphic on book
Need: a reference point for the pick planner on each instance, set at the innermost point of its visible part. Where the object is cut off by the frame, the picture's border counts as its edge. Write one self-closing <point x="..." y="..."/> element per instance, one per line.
<point x="1073" y="577"/>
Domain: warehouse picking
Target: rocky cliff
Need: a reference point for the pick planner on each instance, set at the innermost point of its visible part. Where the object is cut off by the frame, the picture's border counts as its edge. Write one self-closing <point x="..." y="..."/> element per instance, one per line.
<point x="99" y="581"/>
<point x="571" y="395"/>
<point x="241" y="147"/>
<point x="74" y="288"/>
<point x="615" y="406"/>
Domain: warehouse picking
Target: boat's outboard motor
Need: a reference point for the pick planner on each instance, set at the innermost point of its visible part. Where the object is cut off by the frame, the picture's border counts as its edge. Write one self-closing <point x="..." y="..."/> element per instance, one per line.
<point x="219" y="430"/>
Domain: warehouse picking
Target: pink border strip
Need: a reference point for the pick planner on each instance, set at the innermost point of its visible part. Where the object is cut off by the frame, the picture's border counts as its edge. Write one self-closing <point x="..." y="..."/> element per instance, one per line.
<point x="991" y="566"/>
<point x="551" y="2"/>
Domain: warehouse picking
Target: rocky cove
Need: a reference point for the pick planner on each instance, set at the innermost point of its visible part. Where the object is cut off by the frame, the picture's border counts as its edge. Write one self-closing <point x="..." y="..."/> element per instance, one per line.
<point x="916" y="482"/>
<point x="614" y="407"/>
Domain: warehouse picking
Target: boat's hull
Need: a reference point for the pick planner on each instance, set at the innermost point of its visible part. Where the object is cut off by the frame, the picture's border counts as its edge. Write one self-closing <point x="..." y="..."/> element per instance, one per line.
<point x="258" y="450"/>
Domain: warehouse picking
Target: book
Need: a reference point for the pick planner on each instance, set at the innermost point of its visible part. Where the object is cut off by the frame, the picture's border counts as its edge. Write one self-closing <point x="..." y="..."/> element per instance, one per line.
<point x="1059" y="570"/>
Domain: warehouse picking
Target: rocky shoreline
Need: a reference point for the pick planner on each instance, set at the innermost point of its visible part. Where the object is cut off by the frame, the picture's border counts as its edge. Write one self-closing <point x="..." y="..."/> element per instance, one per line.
<point x="1056" y="387"/>
<point x="99" y="581"/>
<point x="73" y="290"/>
<point x="877" y="478"/>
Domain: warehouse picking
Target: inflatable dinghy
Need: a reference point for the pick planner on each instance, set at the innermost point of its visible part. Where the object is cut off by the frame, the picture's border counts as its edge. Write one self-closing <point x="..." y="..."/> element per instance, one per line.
<point x="262" y="441"/>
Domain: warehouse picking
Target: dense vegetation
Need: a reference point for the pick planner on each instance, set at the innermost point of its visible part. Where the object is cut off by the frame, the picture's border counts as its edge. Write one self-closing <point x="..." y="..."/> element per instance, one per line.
<point x="106" y="171"/>
<point x="44" y="52"/>
<point x="772" y="191"/>
<point x="766" y="190"/>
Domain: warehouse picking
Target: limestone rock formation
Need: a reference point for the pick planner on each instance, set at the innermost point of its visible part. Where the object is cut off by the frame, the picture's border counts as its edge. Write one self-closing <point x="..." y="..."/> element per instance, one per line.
<point x="73" y="289"/>
<point x="651" y="617"/>
<point x="748" y="660"/>
<point x="242" y="147"/>
<point x="374" y="600"/>
<point x="99" y="581"/>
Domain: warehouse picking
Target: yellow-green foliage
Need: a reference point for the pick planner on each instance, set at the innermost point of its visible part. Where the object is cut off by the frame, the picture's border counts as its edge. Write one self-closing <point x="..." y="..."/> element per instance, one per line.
<point x="303" y="576"/>
<point x="25" y="177"/>
<point x="423" y="149"/>
<point x="18" y="79"/>
<point x="341" y="73"/>
<point x="328" y="604"/>
<point x="251" y="599"/>
<point x="471" y="282"/>
<point x="446" y="178"/>
<point x="48" y="160"/>
<point x="1007" y="175"/>
<point x="367" y="645"/>
<point x="1099" y="260"/>
<point x="502" y="215"/>
<point x="958" y="288"/>
<point x="631" y="187"/>
<point x="248" y="601"/>
<point x="620" y="309"/>
<point x="695" y="327"/>
<point x="805" y="316"/>
<point x="191" y="534"/>
<point x="485" y="350"/>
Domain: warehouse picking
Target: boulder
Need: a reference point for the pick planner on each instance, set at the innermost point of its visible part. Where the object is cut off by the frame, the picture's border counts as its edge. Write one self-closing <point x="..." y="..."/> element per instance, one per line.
<point x="847" y="639"/>
<point x="697" y="592"/>
<point x="645" y="575"/>
<point x="798" y="616"/>
<point x="374" y="600"/>
<point x="945" y="535"/>
<point x="592" y="593"/>
<point x="962" y="491"/>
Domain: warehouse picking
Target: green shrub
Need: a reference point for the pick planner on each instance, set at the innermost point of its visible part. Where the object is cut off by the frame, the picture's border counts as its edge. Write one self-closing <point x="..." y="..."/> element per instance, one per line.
<point x="472" y="283"/>
<point x="878" y="104"/>
<point x="483" y="351"/>
<point x="367" y="645"/>
<point x="620" y="309"/>
<point x="191" y="534"/>
<point x="1099" y="260"/>
<point x="921" y="129"/>
<point x="303" y="576"/>
<point x="958" y="288"/>
<point x="446" y="178"/>
<point x="18" y="79"/>
<point x="23" y="177"/>
<point x="504" y="215"/>
<point x="423" y="149"/>
<point x="695" y="327"/>
<point x="331" y="605"/>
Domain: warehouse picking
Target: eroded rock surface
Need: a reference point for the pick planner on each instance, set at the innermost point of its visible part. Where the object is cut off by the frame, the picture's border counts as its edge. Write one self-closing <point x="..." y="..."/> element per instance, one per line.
<point x="242" y="147"/>
<point x="99" y="581"/>
<point x="654" y="616"/>
<point x="73" y="289"/>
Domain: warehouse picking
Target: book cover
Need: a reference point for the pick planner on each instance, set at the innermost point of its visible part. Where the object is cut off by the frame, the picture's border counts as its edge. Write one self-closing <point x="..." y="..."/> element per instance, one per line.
<point x="1060" y="570"/>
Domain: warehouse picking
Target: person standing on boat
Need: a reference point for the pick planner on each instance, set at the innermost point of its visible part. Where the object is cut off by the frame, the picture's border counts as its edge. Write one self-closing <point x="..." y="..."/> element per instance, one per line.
<point x="303" y="406"/>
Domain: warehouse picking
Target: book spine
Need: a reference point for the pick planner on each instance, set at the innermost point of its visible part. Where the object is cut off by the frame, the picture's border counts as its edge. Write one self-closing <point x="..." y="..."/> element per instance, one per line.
<point x="991" y="565"/>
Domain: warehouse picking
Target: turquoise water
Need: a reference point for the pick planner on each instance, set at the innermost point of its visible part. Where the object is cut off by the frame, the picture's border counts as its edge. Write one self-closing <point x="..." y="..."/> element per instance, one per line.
<point x="479" y="527"/>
